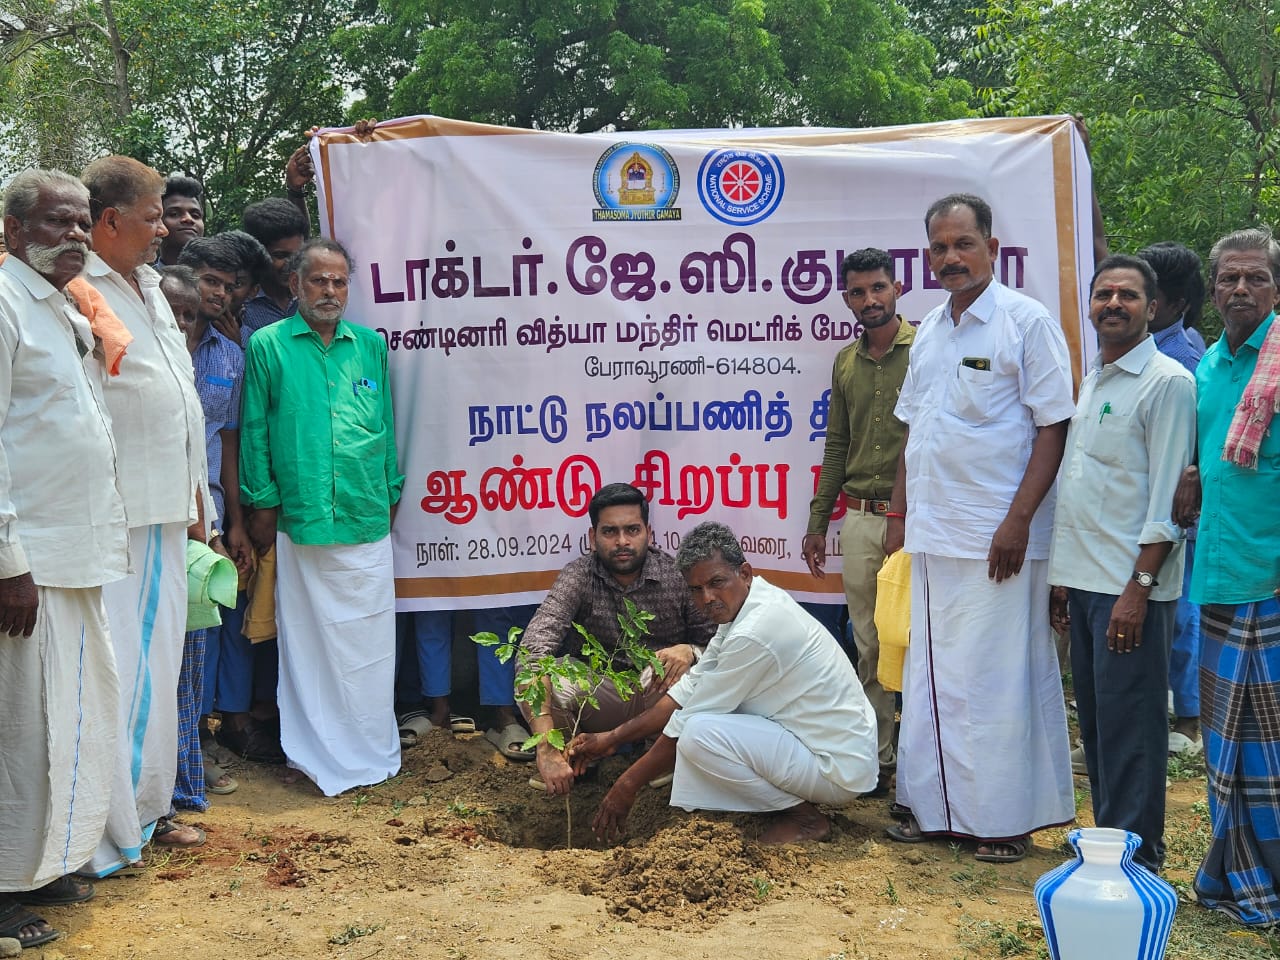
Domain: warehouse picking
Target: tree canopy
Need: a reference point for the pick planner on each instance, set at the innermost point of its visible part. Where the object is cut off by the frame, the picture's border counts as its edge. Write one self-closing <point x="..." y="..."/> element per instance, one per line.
<point x="220" y="89"/>
<point x="1180" y="95"/>
<point x="634" y="64"/>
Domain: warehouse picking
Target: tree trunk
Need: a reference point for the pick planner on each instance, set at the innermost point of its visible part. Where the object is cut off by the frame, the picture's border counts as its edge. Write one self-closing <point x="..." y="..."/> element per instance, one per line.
<point x="121" y="100"/>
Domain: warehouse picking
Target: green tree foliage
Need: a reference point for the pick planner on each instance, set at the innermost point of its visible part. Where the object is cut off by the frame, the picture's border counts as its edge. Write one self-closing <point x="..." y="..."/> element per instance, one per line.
<point x="950" y="26"/>
<point x="220" y="89"/>
<point x="594" y="65"/>
<point x="1180" y="97"/>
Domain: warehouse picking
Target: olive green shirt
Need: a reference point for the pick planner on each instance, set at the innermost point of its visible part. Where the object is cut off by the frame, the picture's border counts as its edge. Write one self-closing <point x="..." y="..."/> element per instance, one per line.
<point x="864" y="438"/>
<point x="317" y="436"/>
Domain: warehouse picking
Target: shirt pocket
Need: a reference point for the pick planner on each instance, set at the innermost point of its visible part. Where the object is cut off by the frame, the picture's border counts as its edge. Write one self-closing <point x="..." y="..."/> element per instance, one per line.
<point x="215" y="399"/>
<point x="970" y="394"/>
<point x="1111" y="442"/>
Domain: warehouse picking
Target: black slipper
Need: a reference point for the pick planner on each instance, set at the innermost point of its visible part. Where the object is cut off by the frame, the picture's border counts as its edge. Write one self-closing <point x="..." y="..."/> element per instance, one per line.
<point x="66" y="889"/>
<point x="906" y="832"/>
<point x="14" y="916"/>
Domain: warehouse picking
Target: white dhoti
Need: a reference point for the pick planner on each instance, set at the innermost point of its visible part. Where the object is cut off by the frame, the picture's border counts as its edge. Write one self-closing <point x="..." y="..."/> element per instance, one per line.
<point x="742" y="762"/>
<point x="335" y="607"/>
<point x="147" y="612"/>
<point x="983" y="750"/>
<point x="57" y="738"/>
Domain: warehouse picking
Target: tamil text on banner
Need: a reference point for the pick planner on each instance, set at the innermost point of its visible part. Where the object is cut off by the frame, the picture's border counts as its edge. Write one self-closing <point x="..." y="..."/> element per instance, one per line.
<point x="663" y="308"/>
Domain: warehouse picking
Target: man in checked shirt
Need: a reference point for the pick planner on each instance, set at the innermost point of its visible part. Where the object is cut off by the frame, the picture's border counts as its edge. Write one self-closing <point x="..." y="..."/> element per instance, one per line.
<point x="591" y="591"/>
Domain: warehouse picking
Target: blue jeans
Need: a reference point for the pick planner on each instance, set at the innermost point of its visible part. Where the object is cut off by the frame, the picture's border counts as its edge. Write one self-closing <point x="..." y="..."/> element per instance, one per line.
<point x="430" y="636"/>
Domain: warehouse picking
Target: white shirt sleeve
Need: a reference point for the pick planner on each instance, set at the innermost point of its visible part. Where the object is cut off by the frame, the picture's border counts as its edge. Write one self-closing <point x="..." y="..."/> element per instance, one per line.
<point x="13" y="560"/>
<point x="1045" y="386"/>
<point x="740" y="666"/>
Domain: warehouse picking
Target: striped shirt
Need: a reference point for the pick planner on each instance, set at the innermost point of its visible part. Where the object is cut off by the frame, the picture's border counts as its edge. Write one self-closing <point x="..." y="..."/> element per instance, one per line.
<point x="219" y="370"/>
<point x="1174" y="343"/>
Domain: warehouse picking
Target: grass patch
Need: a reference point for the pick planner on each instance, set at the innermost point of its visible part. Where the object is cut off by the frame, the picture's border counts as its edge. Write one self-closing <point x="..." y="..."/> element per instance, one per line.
<point x="354" y="932"/>
<point x="976" y="881"/>
<point x="1186" y="766"/>
<point x="999" y="938"/>
<point x="1186" y="841"/>
<point x="1200" y="934"/>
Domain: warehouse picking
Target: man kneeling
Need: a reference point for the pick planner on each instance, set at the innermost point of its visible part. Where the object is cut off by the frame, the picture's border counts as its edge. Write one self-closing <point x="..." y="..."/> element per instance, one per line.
<point x="771" y="718"/>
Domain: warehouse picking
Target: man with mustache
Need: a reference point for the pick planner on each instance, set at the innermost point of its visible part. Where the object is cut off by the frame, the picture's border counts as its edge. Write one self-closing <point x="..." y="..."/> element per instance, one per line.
<point x="771" y="719"/>
<point x="159" y="433"/>
<point x="983" y="750"/>
<point x="860" y="459"/>
<point x="1117" y="569"/>
<point x="1236" y="578"/>
<point x="592" y="591"/>
<point x="318" y="468"/>
<point x="62" y="536"/>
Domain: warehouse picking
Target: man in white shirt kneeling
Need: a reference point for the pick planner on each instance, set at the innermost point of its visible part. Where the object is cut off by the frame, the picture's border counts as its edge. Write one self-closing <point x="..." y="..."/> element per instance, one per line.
<point x="771" y="719"/>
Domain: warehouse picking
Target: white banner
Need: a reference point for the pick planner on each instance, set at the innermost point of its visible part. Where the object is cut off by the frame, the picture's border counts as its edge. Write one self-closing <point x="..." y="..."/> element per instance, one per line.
<point x="661" y="307"/>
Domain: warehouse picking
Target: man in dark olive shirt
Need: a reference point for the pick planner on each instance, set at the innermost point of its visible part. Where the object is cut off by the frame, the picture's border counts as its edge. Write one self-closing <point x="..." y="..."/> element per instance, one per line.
<point x="864" y="439"/>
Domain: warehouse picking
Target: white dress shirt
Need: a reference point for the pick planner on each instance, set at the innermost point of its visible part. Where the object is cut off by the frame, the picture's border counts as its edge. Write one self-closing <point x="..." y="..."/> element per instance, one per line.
<point x="1133" y="433"/>
<point x="61" y="516"/>
<point x="155" y="410"/>
<point x="775" y="661"/>
<point x="974" y="396"/>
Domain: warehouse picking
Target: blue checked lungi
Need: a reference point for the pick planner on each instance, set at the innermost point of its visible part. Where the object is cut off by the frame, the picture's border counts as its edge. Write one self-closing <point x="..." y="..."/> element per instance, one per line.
<point x="188" y="787"/>
<point x="1240" y="717"/>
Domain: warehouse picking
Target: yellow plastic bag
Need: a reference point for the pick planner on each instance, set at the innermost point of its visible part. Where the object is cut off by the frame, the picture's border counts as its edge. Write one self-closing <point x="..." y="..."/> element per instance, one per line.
<point x="893" y="617"/>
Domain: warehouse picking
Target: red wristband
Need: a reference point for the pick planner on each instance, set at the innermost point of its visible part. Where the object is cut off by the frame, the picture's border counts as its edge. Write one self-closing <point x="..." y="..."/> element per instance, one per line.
<point x="896" y="516"/>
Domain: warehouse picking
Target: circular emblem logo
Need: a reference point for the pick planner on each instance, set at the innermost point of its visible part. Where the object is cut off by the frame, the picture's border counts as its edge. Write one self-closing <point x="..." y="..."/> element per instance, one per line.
<point x="740" y="187"/>
<point x="636" y="176"/>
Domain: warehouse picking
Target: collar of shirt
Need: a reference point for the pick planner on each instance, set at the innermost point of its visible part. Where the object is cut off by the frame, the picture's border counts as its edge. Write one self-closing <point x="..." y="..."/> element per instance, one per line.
<point x="981" y="309"/>
<point x="906" y="334"/>
<point x="295" y="326"/>
<point x="211" y="335"/>
<point x="36" y="284"/>
<point x="1134" y="361"/>
<point x="647" y="572"/>
<point x="145" y="275"/>
<point x="1255" y="339"/>
<point x="1174" y="331"/>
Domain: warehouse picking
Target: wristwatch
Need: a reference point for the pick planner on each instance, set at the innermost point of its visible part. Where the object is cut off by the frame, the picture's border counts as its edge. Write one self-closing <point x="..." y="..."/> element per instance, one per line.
<point x="1144" y="579"/>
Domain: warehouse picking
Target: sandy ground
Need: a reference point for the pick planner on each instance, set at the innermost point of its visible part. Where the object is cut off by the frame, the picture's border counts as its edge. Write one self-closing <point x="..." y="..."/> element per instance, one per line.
<point x="457" y="857"/>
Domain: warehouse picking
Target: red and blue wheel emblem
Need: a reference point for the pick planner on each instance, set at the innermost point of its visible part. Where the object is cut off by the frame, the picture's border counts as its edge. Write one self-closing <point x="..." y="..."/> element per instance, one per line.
<point x="740" y="187"/>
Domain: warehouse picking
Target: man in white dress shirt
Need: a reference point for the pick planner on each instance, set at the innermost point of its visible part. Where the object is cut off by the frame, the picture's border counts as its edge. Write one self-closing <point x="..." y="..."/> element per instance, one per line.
<point x="1116" y="559"/>
<point x="771" y="719"/>
<point x="62" y="535"/>
<point x="983" y="750"/>
<point x="159" y="430"/>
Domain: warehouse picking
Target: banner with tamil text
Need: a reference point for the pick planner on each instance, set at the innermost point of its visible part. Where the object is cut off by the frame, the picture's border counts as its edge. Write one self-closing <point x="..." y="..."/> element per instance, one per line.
<point x="660" y="307"/>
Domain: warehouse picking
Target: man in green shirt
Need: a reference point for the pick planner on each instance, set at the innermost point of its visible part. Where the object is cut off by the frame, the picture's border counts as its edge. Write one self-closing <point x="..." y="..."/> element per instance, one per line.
<point x="318" y="467"/>
<point x="864" y="440"/>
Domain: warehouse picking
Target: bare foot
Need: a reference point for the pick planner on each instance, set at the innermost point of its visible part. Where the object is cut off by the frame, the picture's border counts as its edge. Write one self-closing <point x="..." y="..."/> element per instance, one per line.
<point x="170" y="833"/>
<point x="801" y="823"/>
<point x="290" y="776"/>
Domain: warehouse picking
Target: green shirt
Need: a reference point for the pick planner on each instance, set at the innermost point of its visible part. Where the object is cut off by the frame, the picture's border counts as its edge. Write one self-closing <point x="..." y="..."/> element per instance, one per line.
<point x="1238" y="547"/>
<point x="864" y="438"/>
<point x="317" y="436"/>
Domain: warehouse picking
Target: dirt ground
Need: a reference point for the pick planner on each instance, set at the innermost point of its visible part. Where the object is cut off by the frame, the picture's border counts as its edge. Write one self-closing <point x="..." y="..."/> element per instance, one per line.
<point x="457" y="857"/>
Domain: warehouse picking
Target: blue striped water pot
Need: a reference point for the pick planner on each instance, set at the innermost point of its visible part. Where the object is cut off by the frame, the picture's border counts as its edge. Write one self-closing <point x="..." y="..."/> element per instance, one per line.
<point x="1102" y="905"/>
